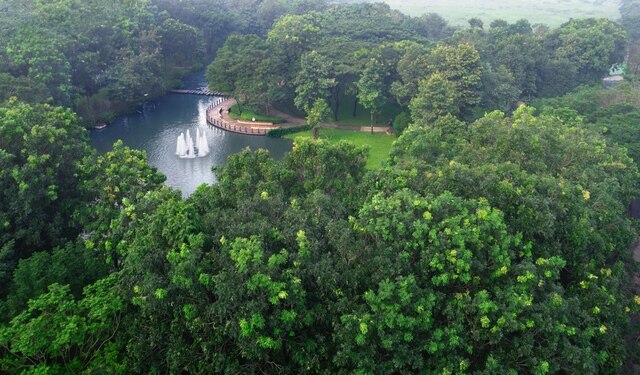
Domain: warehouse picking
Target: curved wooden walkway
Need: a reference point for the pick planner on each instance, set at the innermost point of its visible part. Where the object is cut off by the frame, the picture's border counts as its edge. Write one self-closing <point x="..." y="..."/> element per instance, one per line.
<point x="226" y="123"/>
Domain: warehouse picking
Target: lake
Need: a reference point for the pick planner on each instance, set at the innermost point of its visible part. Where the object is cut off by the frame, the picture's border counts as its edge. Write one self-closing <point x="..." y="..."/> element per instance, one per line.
<point x="157" y="125"/>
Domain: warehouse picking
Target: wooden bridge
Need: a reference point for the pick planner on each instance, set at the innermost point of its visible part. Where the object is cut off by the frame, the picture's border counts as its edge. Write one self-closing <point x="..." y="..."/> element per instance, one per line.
<point x="199" y="91"/>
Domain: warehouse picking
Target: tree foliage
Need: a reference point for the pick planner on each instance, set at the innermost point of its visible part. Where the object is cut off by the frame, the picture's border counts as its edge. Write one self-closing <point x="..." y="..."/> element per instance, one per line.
<point x="40" y="147"/>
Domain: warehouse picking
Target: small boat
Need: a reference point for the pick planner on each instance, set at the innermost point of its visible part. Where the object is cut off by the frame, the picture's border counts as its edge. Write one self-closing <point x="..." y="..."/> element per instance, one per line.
<point x="101" y="125"/>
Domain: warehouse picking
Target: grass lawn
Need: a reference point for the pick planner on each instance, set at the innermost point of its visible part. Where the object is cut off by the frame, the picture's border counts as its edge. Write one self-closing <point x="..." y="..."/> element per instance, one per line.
<point x="248" y="115"/>
<point x="379" y="143"/>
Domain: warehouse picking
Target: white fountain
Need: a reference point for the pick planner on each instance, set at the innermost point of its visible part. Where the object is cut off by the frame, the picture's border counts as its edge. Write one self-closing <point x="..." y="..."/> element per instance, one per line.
<point x="180" y="145"/>
<point x="186" y="149"/>
<point x="197" y="143"/>
<point x="191" y="151"/>
<point x="203" y="145"/>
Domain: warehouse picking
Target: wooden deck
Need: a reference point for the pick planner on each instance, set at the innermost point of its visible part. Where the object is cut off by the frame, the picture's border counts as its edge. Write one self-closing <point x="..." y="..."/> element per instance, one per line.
<point x="213" y="119"/>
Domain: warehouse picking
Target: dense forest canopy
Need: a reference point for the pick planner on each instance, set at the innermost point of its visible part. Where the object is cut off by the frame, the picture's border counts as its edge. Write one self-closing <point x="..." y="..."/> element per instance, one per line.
<point x="494" y="238"/>
<point x="104" y="58"/>
<point x="385" y="58"/>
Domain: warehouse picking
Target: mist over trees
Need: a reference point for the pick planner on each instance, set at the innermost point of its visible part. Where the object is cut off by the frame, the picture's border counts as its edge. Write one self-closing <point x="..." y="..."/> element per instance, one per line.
<point x="494" y="239"/>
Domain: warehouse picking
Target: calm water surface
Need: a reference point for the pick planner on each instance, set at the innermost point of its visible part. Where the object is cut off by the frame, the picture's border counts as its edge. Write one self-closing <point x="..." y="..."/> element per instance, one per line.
<point x="158" y="124"/>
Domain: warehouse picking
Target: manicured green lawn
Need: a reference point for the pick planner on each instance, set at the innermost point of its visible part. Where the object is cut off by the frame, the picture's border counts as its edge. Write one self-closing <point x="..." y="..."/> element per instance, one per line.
<point x="379" y="143"/>
<point x="248" y="115"/>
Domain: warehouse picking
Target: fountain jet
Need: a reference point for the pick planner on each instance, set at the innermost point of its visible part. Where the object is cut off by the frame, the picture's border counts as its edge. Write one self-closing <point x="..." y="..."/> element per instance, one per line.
<point x="187" y="149"/>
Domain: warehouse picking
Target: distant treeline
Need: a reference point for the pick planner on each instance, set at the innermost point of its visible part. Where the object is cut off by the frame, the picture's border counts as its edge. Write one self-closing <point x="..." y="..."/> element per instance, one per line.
<point x="630" y="12"/>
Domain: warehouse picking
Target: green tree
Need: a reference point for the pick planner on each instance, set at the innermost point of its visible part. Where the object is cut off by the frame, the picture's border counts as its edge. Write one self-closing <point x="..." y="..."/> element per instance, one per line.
<point x="371" y="89"/>
<point x="313" y="82"/>
<point x="245" y="68"/>
<point x="59" y="333"/>
<point x="137" y="74"/>
<point x="269" y="11"/>
<point x="23" y="88"/>
<point x="589" y="45"/>
<point x="40" y="147"/>
<point x="476" y="23"/>
<point x="44" y="61"/>
<point x="292" y="35"/>
<point x="109" y="183"/>
<point x="412" y="68"/>
<point x="71" y="265"/>
<point x="181" y="43"/>
<point x="436" y="97"/>
<point x="500" y="89"/>
<point x="461" y="66"/>
<point x="521" y="54"/>
<point x="452" y="283"/>
<point x="318" y="113"/>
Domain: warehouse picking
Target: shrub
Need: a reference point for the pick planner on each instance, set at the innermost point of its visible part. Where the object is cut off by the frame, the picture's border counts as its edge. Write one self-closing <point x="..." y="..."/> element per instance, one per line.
<point x="281" y="132"/>
<point x="400" y="123"/>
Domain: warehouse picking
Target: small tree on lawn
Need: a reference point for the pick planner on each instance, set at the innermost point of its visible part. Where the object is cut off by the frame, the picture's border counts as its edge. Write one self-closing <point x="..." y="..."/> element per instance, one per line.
<point x="319" y="112"/>
<point x="371" y="89"/>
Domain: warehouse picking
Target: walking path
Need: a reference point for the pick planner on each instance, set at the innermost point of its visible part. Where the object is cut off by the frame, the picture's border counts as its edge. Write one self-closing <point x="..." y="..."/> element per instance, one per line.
<point x="262" y="128"/>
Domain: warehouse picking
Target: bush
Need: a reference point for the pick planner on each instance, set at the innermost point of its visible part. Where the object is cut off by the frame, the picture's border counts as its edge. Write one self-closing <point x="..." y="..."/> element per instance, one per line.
<point x="400" y="123"/>
<point x="281" y="132"/>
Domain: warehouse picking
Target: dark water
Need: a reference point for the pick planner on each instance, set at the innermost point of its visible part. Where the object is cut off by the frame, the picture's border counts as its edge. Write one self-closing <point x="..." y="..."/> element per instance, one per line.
<point x="157" y="126"/>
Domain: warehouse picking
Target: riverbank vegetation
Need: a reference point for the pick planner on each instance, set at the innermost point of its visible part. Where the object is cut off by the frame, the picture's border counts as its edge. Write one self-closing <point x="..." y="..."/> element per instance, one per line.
<point x="489" y="237"/>
<point x="107" y="58"/>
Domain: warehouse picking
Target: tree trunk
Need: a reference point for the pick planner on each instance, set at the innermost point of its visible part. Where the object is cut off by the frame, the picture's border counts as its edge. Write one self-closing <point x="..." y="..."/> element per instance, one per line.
<point x="316" y="132"/>
<point x="355" y="107"/>
<point x="335" y="97"/>
<point x="267" y="108"/>
<point x="372" y="122"/>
